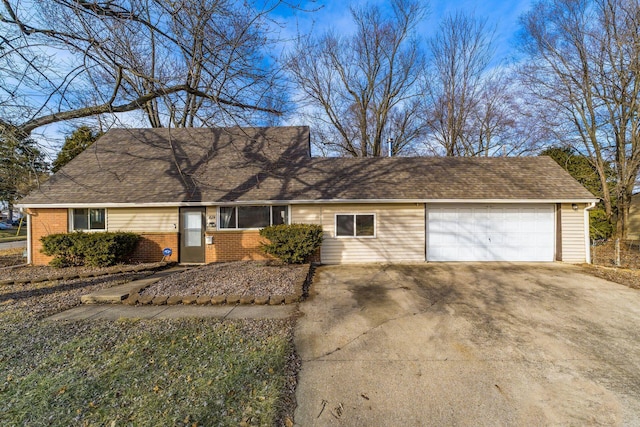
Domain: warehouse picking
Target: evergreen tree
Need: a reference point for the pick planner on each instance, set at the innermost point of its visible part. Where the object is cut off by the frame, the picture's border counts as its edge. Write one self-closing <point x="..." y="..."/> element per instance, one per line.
<point x="22" y="168"/>
<point x="74" y="144"/>
<point x="585" y="173"/>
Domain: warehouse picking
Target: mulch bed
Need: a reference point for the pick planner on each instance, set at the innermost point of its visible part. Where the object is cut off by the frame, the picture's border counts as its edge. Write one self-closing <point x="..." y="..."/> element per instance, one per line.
<point x="11" y="257"/>
<point x="43" y="273"/>
<point x="241" y="277"/>
<point x="244" y="282"/>
<point x="47" y="298"/>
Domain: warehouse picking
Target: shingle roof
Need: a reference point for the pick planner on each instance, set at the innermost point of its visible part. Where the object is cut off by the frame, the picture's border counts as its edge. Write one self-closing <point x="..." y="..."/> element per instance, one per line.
<point x="268" y="164"/>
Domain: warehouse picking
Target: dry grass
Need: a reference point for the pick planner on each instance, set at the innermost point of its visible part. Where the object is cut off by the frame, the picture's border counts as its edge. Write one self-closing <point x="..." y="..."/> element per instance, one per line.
<point x="177" y="372"/>
<point x="155" y="372"/>
<point x="604" y="261"/>
<point x="605" y="254"/>
<point x="9" y="235"/>
<point x="627" y="277"/>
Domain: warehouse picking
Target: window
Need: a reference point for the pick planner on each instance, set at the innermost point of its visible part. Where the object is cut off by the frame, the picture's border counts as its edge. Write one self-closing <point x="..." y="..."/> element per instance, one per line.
<point x="279" y="215"/>
<point x="253" y="216"/>
<point x="243" y="217"/>
<point x="88" y="219"/>
<point x="192" y="224"/>
<point x="355" y="225"/>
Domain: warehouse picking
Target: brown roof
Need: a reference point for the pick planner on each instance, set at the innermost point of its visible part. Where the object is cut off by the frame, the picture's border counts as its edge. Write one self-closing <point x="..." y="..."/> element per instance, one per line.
<point x="269" y="164"/>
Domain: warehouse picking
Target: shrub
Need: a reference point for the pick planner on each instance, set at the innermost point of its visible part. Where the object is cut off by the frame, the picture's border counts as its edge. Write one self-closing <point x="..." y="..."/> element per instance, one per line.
<point x="64" y="249"/>
<point x="293" y="243"/>
<point x="93" y="249"/>
<point x="600" y="226"/>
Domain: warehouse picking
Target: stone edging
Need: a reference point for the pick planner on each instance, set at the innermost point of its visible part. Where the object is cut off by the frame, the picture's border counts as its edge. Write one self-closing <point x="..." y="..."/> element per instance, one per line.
<point x="70" y="276"/>
<point x="137" y="299"/>
<point x="12" y="267"/>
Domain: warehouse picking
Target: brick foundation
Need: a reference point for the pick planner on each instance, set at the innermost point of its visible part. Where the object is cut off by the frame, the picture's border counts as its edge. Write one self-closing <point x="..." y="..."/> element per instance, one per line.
<point x="43" y="223"/>
<point x="54" y="221"/>
<point x="150" y="247"/>
<point x="227" y="245"/>
<point x="235" y="246"/>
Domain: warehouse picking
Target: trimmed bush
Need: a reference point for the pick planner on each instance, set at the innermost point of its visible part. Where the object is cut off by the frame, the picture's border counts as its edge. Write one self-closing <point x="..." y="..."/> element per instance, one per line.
<point x="293" y="243"/>
<point x="93" y="249"/>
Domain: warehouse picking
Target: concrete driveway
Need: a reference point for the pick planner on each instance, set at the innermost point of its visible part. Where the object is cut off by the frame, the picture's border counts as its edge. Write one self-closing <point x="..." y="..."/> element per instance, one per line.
<point x="468" y="344"/>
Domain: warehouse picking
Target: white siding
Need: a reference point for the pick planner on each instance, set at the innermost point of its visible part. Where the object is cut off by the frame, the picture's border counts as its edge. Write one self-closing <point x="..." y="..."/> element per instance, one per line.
<point x="633" y="228"/>
<point x="143" y="220"/>
<point x="306" y="214"/>
<point x="400" y="232"/>
<point x="573" y="233"/>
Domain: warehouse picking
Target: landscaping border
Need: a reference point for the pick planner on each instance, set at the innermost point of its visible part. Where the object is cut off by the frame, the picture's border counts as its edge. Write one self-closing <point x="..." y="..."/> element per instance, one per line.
<point x="231" y="299"/>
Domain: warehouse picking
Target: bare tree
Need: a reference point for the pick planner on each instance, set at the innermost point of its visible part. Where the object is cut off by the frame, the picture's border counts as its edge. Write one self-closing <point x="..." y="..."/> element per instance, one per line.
<point x="490" y="121"/>
<point x="362" y="89"/>
<point x="181" y="62"/>
<point x="583" y="64"/>
<point x="460" y="52"/>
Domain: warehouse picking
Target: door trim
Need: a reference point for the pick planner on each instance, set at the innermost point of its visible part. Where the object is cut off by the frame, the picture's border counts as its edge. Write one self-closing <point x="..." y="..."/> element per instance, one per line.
<point x="191" y="253"/>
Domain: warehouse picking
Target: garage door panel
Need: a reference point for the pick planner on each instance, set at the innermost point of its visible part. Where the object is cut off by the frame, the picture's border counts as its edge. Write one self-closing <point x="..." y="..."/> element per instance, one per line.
<point x="491" y="233"/>
<point x="446" y="239"/>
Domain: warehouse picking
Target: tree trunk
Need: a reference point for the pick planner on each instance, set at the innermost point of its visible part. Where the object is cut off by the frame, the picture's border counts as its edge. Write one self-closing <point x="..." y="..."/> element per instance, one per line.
<point x="622" y="223"/>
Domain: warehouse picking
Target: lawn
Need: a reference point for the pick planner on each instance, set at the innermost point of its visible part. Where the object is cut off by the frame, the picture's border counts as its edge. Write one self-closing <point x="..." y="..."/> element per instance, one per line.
<point x="13" y="235"/>
<point x="133" y="372"/>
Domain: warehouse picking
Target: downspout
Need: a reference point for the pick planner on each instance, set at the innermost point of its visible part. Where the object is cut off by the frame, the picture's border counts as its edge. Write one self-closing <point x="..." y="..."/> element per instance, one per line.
<point x="28" y="236"/>
<point x="587" y="240"/>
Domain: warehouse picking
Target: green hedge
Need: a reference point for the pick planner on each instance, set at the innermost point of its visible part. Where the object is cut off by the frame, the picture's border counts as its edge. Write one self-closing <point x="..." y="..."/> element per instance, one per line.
<point x="293" y="243"/>
<point x="93" y="249"/>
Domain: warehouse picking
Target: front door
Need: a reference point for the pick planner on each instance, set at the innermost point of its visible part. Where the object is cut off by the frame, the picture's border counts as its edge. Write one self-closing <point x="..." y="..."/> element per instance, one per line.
<point x="192" y="235"/>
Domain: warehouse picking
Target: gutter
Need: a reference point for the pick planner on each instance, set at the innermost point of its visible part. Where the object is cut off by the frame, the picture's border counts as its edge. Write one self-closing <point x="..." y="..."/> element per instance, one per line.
<point x="302" y="202"/>
<point x="587" y="240"/>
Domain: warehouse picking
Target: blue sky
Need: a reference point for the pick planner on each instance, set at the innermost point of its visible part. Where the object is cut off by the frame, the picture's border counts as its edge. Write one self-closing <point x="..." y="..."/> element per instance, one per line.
<point x="335" y="14"/>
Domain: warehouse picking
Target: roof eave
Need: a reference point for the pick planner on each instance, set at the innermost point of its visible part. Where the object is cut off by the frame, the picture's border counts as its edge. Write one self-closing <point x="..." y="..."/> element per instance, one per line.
<point x="302" y="202"/>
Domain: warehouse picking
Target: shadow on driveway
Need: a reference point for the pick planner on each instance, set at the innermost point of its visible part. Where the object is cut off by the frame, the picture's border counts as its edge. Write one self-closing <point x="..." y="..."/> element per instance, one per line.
<point x="467" y="344"/>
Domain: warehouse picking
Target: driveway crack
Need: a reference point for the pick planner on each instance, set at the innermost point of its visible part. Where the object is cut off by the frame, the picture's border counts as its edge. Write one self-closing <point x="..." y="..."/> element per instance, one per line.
<point x="329" y="353"/>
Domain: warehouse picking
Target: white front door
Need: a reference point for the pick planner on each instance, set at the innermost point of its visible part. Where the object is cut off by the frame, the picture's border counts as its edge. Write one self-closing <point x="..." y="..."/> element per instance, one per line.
<point x="475" y="232"/>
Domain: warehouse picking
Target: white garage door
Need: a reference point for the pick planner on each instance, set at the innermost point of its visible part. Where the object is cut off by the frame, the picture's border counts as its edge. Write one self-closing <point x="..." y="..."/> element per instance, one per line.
<point x="491" y="233"/>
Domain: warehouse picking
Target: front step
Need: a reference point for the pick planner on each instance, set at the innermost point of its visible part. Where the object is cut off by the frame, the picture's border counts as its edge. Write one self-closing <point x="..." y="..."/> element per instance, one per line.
<point x="116" y="294"/>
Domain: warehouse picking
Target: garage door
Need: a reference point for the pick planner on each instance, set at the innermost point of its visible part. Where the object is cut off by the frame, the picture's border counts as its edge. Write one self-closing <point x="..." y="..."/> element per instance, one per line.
<point x="491" y="233"/>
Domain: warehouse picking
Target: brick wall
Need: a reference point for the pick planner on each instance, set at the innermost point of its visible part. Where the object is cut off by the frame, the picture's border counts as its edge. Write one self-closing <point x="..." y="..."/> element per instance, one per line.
<point x="43" y="223"/>
<point x="150" y="247"/>
<point x="235" y="246"/>
<point x="228" y="245"/>
<point x="53" y="221"/>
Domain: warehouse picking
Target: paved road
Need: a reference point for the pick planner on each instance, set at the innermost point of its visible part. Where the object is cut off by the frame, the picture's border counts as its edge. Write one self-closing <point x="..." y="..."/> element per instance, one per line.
<point x="468" y="344"/>
<point x="11" y="245"/>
